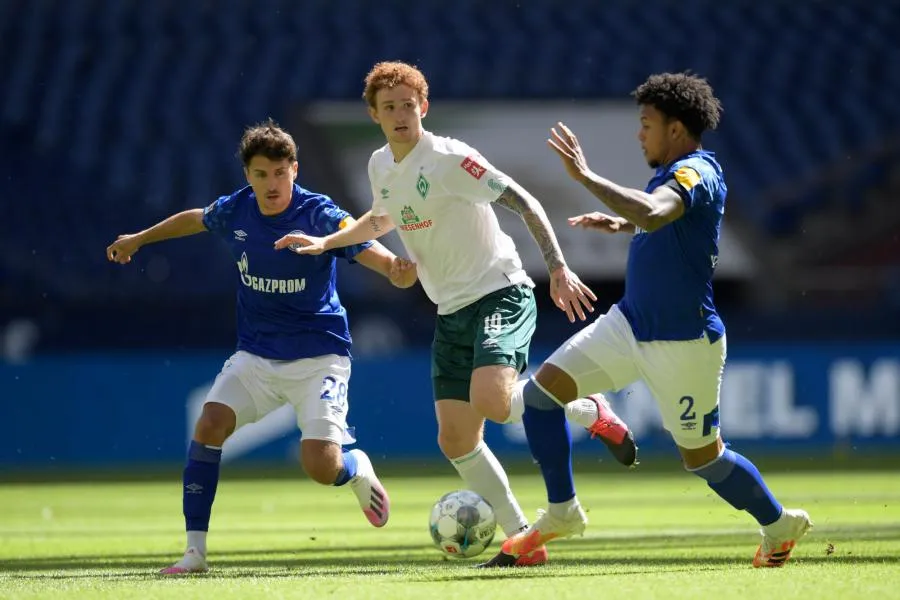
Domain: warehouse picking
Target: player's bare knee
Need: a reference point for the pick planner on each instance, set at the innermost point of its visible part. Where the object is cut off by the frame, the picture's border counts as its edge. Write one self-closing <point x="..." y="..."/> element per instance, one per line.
<point x="557" y="382"/>
<point x="460" y="427"/>
<point x="216" y="423"/>
<point x="455" y="443"/>
<point x="492" y="407"/>
<point x="455" y="447"/>
<point x="490" y="391"/>
<point x="321" y="460"/>
<point x="695" y="458"/>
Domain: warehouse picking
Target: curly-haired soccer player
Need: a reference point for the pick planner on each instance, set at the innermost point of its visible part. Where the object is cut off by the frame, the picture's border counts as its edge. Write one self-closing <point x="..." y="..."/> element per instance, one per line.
<point x="665" y="330"/>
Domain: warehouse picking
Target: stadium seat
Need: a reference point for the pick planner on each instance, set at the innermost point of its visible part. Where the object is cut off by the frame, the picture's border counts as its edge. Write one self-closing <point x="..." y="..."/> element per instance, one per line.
<point x="128" y="95"/>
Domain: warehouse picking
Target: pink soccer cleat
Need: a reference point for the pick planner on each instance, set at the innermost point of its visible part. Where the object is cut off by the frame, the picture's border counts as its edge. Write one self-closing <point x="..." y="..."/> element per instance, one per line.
<point x="191" y="562"/>
<point x="372" y="497"/>
<point x="613" y="432"/>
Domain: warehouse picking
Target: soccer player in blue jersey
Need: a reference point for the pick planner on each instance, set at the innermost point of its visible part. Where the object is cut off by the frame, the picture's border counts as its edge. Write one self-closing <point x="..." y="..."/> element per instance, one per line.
<point x="293" y="340"/>
<point x="665" y="330"/>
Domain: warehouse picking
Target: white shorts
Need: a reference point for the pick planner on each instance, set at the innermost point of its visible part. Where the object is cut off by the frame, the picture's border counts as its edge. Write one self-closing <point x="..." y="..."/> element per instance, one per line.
<point x="683" y="376"/>
<point x="253" y="387"/>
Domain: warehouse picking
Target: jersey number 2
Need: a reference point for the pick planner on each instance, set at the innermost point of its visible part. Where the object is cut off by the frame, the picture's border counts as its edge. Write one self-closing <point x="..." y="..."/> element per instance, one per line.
<point x="689" y="414"/>
<point x="710" y="419"/>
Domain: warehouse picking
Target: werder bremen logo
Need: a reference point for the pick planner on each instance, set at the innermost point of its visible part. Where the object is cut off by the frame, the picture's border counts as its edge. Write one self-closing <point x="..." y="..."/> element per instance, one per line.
<point x="422" y="186"/>
<point x="408" y="215"/>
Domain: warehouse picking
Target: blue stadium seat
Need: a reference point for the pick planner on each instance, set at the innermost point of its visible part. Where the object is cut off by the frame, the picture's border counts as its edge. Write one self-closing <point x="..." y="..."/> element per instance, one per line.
<point x="142" y="101"/>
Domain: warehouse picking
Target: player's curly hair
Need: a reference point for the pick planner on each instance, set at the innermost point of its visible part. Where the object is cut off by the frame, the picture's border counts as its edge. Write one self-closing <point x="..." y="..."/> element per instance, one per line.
<point x="682" y="96"/>
<point x="391" y="74"/>
<point x="267" y="139"/>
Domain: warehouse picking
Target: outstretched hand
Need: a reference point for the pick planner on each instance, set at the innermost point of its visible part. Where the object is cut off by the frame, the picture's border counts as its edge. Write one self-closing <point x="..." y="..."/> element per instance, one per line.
<point x="301" y="243"/>
<point x="599" y="221"/>
<point x="125" y="246"/>
<point x="571" y="295"/>
<point x="569" y="150"/>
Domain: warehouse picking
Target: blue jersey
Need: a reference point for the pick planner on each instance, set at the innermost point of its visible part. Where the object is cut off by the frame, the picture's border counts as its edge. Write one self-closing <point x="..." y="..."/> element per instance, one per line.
<point x="287" y="304"/>
<point x="668" y="282"/>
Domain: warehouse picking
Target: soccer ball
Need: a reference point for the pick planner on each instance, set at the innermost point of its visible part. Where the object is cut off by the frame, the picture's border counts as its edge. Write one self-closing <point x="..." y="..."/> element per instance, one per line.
<point x="462" y="524"/>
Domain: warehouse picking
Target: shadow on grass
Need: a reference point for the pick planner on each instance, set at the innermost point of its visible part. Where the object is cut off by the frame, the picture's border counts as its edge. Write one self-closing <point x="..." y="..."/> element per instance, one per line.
<point x="406" y="559"/>
<point x="430" y="570"/>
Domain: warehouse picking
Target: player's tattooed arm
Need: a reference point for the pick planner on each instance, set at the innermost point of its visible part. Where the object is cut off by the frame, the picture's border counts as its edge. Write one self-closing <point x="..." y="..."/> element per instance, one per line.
<point x="566" y="289"/>
<point x="354" y="232"/>
<point x="369" y="227"/>
<point x="519" y="201"/>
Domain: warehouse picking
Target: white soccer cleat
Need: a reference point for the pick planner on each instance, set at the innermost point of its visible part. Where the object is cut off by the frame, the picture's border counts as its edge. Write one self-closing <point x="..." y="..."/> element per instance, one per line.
<point x="547" y="527"/>
<point x="780" y="537"/>
<point x="372" y="497"/>
<point x="191" y="562"/>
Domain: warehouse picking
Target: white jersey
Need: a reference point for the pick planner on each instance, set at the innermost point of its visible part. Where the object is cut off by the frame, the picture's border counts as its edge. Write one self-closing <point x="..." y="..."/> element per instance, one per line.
<point x="439" y="197"/>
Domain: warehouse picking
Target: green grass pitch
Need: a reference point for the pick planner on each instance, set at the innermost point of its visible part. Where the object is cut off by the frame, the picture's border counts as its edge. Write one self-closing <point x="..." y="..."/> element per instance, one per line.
<point x="651" y="535"/>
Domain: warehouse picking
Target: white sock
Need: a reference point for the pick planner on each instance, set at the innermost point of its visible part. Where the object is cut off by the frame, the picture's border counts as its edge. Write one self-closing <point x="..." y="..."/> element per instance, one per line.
<point x="581" y="412"/>
<point x="561" y="509"/>
<point x="517" y="402"/>
<point x="197" y="539"/>
<point x="485" y="476"/>
<point x="779" y="528"/>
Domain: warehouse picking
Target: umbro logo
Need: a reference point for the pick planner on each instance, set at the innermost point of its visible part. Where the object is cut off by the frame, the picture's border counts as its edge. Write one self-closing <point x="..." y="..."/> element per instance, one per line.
<point x="240" y="235"/>
<point x="194" y="488"/>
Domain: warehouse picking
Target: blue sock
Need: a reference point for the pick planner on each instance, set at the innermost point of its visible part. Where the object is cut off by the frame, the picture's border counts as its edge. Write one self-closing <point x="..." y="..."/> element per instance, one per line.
<point x="201" y="477"/>
<point x="739" y="483"/>
<point x="348" y="471"/>
<point x="550" y="442"/>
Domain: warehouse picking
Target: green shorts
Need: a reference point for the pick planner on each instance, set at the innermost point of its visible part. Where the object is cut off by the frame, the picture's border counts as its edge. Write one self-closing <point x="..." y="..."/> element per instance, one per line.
<point x="495" y="330"/>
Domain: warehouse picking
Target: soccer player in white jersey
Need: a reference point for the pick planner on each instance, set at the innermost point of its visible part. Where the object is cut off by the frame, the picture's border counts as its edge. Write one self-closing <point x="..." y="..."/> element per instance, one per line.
<point x="665" y="330"/>
<point x="438" y="193"/>
<point x="293" y="339"/>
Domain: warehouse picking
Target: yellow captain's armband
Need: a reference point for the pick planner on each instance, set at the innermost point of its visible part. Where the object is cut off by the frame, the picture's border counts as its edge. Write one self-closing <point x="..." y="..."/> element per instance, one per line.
<point x="687" y="177"/>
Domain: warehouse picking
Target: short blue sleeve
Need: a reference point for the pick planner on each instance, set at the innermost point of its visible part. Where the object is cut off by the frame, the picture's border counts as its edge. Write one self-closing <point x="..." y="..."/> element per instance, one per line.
<point x="217" y="216"/>
<point x="327" y="218"/>
<point x="688" y="183"/>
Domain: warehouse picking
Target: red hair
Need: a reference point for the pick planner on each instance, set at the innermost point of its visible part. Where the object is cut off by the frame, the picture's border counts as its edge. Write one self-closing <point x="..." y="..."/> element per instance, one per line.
<point x="386" y="75"/>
